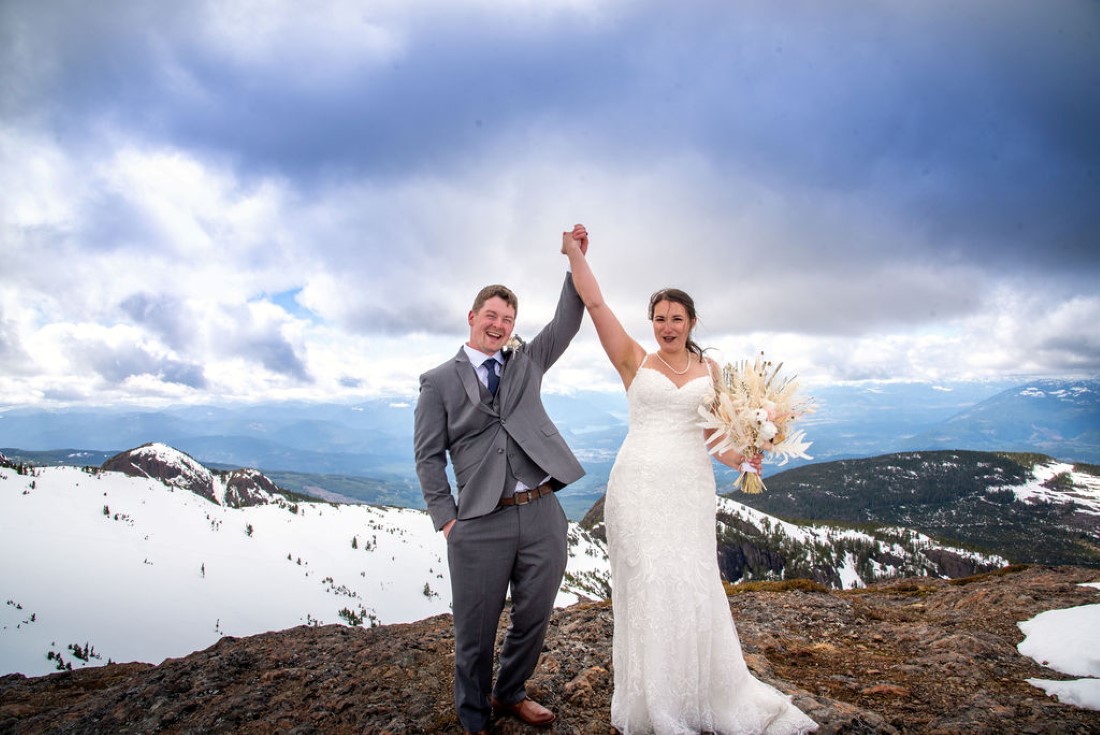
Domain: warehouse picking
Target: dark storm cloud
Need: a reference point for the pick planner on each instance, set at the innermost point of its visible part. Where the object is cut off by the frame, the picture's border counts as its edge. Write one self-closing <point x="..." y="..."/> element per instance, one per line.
<point x="974" y="123"/>
<point x="447" y="94"/>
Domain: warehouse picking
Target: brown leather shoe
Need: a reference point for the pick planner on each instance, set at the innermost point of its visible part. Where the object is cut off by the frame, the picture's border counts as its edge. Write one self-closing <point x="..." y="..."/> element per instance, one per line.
<point x="526" y="710"/>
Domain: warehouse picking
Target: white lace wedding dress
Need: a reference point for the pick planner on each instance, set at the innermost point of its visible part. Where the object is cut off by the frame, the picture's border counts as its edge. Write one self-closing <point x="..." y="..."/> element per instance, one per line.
<point x="676" y="656"/>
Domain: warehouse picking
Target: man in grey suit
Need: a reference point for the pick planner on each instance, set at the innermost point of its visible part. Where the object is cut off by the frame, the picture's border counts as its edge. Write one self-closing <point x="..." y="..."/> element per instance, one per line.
<point x="506" y="528"/>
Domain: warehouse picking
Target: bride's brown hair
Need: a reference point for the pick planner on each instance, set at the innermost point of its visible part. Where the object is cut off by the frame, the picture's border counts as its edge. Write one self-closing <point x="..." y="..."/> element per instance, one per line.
<point x="677" y="296"/>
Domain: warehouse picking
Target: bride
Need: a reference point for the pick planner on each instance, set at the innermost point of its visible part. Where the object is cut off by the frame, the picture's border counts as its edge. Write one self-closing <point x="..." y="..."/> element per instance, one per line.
<point x="678" y="666"/>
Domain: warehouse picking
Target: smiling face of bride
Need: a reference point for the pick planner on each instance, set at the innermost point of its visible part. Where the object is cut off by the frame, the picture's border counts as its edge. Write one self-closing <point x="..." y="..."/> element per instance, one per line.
<point x="672" y="325"/>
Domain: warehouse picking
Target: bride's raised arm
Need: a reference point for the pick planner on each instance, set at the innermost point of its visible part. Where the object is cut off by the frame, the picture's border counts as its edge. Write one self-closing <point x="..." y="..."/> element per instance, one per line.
<point x="625" y="353"/>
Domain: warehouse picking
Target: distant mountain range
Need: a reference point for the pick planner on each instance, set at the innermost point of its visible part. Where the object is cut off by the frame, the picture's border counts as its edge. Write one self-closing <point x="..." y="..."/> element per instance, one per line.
<point x="1057" y="418"/>
<point x="364" y="451"/>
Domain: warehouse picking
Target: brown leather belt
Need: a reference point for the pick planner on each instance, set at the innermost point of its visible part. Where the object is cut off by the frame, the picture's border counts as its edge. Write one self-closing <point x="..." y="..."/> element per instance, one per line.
<point x="526" y="496"/>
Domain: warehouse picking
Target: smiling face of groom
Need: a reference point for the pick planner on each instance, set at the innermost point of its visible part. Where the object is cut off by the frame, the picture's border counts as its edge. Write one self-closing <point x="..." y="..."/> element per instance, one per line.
<point x="492" y="320"/>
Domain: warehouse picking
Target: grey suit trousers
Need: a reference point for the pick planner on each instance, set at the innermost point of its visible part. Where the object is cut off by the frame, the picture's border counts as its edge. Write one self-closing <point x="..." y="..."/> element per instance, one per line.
<point x="523" y="547"/>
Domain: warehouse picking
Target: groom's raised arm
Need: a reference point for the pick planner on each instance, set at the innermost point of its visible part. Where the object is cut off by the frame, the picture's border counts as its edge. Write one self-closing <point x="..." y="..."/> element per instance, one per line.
<point x="550" y="343"/>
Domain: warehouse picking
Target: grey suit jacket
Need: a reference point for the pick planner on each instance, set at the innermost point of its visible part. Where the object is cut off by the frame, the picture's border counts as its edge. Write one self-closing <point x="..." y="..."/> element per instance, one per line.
<point x="451" y="418"/>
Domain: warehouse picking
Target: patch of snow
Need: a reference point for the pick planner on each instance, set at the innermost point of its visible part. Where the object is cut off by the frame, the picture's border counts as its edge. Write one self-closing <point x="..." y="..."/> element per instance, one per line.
<point x="1085" y="493"/>
<point x="849" y="577"/>
<point x="1083" y="693"/>
<point x="1067" y="641"/>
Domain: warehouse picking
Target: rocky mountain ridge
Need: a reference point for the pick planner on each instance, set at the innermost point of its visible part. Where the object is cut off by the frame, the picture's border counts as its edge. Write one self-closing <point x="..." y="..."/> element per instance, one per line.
<point x="239" y="488"/>
<point x="925" y="656"/>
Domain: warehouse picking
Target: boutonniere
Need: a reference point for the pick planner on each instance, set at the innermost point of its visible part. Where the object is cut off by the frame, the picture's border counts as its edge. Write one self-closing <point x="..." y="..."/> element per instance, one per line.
<point x="514" y="343"/>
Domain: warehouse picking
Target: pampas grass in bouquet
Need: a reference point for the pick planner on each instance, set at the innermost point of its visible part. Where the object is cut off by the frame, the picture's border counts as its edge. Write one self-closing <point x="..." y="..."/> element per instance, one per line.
<point x="752" y="412"/>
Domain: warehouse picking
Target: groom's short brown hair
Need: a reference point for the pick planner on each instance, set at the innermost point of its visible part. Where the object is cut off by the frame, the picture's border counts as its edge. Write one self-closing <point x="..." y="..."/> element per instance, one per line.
<point x="501" y="292"/>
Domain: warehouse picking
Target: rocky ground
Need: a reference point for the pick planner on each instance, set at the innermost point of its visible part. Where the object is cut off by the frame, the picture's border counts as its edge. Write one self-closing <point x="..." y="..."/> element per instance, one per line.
<point x="908" y="656"/>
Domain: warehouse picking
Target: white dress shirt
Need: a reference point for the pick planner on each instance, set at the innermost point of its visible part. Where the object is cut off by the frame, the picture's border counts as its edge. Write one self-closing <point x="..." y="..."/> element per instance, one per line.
<point x="478" y="358"/>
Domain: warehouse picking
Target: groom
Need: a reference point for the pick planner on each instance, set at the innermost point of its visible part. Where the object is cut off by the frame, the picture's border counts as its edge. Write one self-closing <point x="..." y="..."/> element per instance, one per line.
<point x="505" y="529"/>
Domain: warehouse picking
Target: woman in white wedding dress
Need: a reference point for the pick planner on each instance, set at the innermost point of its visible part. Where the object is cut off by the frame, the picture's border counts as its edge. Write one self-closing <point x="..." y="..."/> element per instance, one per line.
<point x="678" y="666"/>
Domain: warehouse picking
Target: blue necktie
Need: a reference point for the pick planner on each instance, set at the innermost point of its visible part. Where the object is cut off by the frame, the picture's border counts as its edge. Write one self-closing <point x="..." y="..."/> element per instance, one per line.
<point x="494" y="379"/>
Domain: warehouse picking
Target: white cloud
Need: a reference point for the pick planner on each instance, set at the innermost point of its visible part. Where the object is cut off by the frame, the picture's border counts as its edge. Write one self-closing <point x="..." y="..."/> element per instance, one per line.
<point x="312" y="42"/>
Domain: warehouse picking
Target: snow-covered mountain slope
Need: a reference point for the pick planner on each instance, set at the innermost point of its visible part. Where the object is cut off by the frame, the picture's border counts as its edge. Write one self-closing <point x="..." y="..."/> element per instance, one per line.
<point x="1062" y="484"/>
<point x="1028" y="508"/>
<point x="100" y="565"/>
<point x="841" y="557"/>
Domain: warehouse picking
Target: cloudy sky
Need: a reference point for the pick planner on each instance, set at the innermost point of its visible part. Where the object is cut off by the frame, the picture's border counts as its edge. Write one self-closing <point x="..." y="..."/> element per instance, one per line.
<point x="245" y="199"/>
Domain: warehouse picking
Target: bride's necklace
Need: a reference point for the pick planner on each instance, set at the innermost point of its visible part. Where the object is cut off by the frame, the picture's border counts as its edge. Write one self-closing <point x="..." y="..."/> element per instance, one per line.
<point x="674" y="370"/>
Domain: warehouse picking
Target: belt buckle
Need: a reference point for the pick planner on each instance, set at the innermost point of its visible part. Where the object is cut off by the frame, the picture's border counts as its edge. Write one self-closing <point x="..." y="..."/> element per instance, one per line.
<point x="525" y="494"/>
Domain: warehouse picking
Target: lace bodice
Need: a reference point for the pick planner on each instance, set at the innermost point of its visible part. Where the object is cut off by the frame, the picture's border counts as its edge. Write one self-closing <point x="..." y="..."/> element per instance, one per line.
<point x="656" y="404"/>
